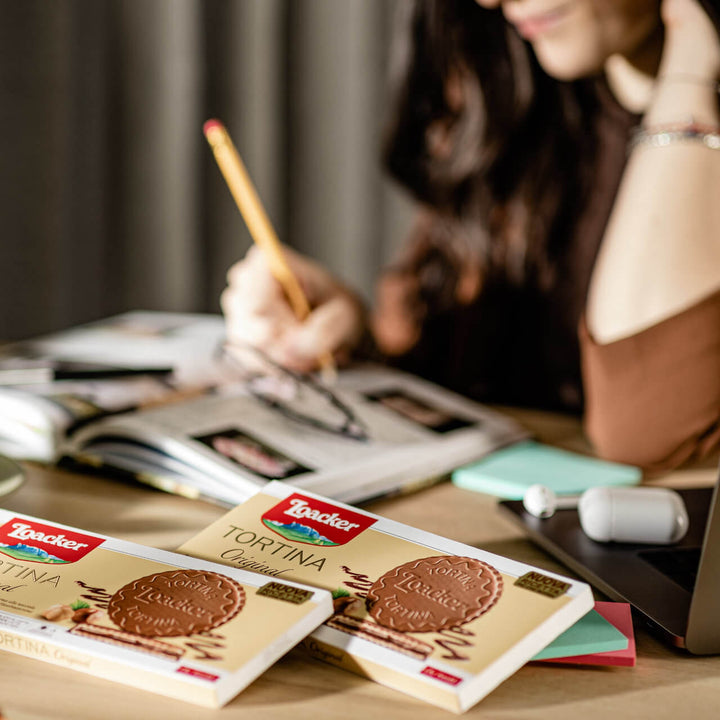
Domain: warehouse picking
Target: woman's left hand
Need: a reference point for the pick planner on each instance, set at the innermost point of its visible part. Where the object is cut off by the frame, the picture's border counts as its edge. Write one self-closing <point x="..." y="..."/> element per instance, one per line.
<point x="692" y="45"/>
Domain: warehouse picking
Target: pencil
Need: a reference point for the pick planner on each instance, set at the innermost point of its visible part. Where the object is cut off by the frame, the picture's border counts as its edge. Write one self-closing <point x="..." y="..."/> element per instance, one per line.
<point x="259" y="225"/>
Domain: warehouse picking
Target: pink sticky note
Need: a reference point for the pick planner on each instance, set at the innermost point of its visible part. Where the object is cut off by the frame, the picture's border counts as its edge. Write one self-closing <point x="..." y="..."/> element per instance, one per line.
<point x="619" y="615"/>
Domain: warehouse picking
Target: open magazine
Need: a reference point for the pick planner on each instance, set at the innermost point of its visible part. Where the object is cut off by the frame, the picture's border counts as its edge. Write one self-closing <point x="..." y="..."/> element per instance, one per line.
<point x="374" y="432"/>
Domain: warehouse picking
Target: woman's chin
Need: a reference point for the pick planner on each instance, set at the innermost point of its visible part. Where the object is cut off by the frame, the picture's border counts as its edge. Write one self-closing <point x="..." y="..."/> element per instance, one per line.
<point x="557" y="65"/>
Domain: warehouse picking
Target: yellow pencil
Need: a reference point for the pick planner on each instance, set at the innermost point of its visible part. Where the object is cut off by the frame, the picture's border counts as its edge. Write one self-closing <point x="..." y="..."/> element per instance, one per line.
<point x="259" y="225"/>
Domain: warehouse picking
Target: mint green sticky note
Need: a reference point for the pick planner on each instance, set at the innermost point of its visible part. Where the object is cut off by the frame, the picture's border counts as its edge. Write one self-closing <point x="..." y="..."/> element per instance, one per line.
<point x="509" y="472"/>
<point x="591" y="634"/>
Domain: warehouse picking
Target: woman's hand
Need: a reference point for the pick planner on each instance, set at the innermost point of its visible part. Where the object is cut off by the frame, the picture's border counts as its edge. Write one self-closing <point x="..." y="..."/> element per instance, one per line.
<point x="692" y="46"/>
<point x="257" y="312"/>
<point x="685" y="89"/>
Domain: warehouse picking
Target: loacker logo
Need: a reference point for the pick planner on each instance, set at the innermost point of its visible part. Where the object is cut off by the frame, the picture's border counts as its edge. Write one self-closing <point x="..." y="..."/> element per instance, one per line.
<point x="315" y="522"/>
<point x="29" y="540"/>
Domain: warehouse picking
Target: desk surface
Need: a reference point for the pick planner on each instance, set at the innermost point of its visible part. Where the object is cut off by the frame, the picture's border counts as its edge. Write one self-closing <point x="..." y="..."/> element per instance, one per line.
<point x="665" y="683"/>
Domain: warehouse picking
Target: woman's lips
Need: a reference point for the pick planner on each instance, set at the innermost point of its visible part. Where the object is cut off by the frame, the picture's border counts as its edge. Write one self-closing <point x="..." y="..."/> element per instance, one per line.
<point x="534" y="25"/>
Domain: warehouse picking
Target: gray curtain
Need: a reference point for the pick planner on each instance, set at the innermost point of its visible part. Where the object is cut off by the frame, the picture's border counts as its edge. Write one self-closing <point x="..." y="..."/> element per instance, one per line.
<point x="109" y="197"/>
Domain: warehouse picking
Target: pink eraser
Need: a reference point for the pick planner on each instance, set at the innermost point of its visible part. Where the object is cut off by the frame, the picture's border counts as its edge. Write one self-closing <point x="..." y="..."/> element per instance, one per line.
<point x="210" y="124"/>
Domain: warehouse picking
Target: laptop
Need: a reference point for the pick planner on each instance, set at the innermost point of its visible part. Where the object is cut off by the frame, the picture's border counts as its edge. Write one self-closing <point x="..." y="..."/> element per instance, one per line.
<point x="673" y="589"/>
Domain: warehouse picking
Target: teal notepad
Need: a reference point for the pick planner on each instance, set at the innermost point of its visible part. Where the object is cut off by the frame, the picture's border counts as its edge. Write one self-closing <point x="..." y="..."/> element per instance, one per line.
<point x="509" y="472"/>
<point x="591" y="634"/>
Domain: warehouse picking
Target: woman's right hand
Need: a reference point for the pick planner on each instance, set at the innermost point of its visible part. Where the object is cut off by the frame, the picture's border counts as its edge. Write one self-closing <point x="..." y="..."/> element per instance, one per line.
<point x="257" y="312"/>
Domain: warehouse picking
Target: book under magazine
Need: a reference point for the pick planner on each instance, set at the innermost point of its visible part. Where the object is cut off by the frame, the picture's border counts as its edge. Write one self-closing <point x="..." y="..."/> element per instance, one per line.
<point x="440" y="620"/>
<point x="155" y="620"/>
<point x="53" y="383"/>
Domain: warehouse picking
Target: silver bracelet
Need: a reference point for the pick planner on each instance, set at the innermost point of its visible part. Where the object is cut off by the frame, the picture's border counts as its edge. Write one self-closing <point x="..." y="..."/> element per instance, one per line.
<point x="662" y="136"/>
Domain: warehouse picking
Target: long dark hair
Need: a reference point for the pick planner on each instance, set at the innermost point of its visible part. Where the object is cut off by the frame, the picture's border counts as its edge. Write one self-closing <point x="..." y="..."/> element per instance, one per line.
<point x="512" y="160"/>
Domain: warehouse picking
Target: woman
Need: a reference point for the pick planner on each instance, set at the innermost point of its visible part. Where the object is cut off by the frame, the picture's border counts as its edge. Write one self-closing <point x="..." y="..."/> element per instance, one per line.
<point x="565" y="154"/>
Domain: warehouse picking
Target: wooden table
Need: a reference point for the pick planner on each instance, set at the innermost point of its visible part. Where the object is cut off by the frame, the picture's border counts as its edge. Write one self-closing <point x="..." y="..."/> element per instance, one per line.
<point x="664" y="684"/>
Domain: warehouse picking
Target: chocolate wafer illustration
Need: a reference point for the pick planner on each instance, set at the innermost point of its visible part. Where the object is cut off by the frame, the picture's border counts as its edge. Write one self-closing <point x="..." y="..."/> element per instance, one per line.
<point x="434" y="593"/>
<point x="176" y="602"/>
<point x="381" y="635"/>
<point x="128" y="640"/>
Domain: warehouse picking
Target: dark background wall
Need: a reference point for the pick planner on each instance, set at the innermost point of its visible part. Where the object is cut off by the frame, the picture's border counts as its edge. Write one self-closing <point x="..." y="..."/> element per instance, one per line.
<point x="109" y="197"/>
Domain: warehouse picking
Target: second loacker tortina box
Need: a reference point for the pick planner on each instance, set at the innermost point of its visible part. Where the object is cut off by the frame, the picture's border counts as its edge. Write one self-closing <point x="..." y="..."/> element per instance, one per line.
<point x="442" y="621"/>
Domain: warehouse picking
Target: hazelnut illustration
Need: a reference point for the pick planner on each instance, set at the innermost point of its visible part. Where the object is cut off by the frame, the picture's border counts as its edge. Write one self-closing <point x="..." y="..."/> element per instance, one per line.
<point x="81" y="614"/>
<point x="95" y="617"/>
<point x="349" y="605"/>
<point x="339" y="603"/>
<point x="356" y="608"/>
<point x="58" y="613"/>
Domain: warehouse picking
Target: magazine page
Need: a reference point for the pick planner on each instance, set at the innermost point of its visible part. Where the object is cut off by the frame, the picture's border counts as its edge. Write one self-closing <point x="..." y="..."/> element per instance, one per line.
<point x="379" y="431"/>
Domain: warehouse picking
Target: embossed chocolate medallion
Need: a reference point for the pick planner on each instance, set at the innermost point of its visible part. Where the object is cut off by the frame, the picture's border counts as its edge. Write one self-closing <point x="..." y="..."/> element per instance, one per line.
<point x="434" y="593"/>
<point x="176" y="602"/>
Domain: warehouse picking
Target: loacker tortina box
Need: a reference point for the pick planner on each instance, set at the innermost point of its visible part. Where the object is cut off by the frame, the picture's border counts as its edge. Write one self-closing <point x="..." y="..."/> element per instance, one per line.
<point x="439" y="620"/>
<point x="156" y="620"/>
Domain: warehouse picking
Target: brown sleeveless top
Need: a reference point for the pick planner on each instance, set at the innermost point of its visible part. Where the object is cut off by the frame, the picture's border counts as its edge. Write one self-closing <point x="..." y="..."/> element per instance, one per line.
<point x="520" y="344"/>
